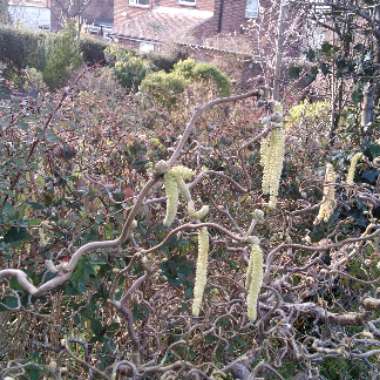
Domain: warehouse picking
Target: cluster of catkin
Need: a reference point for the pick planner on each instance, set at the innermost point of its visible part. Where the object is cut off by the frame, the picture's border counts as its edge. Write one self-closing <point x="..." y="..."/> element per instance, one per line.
<point x="174" y="182"/>
<point x="272" y="152"/>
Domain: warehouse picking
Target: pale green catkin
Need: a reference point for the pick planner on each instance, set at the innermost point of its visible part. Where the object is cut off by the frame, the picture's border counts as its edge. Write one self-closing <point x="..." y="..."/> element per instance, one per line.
<point x="201" y="270"/>
<point x="328" y="204"/>
<point x="272" y="152"/>
<point x="255" y="276"/>
<point x="171" y="190"/>
<point x="174" y="182"/>
<point x="198" y="215"/>
<point x="351" y="171"/>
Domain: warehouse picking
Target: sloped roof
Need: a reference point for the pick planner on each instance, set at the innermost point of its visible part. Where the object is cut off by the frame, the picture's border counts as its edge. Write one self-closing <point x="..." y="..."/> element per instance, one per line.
<point x="30" y="3"/>
<point x="163" y="24"/>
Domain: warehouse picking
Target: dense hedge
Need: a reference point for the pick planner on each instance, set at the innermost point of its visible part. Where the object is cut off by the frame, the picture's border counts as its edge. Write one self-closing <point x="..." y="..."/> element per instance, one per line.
<point x="21" y="48"/>
<point x="93" y="50"/>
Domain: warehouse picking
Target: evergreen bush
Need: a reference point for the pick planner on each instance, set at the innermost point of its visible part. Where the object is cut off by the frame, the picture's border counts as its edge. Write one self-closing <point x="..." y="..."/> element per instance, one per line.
<point x="63" y="56"/>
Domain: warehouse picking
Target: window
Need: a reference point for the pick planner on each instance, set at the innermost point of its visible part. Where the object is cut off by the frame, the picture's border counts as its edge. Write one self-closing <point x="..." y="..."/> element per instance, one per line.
<point x="143" y="3"/>
<point x="252" y="8"/>
<point x="187" y="2"/>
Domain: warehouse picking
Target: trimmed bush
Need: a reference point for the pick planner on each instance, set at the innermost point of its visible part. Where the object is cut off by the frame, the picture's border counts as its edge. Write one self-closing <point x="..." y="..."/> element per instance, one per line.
<point x="191" y="70"/>
<point x="164" y="87"/>
<point x="93" y="50"/>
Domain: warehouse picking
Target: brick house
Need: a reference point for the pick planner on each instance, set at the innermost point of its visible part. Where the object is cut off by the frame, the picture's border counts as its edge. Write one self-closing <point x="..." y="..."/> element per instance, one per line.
<point x="147" y="23"/>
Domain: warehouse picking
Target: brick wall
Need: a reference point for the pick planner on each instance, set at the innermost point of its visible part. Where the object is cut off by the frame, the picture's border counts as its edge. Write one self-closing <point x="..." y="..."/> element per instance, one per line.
<point x="233" y="15"/>
<point x="229" y="16"/>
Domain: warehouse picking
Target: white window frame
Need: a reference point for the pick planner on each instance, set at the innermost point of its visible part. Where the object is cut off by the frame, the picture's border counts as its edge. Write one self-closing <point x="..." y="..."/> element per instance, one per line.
<point x="249" y="13"/>
<point x="136" y="3"/>
<point x="191" y="3"/>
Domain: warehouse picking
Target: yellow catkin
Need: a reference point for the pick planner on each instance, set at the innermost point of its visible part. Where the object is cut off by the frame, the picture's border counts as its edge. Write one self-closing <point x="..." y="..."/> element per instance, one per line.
<point x="264" y="161"/>
<point x="276" y="163"/>
<point x="272" y="151"/>
<point x="254" y="282"/>
<point x="201" y="270"/>
<point x="352" y="169"/>
<point x="174" y="182"/>
<point x="328" y="201"/>
<point x="181" y="171"/>
<point x="200" y="214"/>
<point x="171" y="190"/>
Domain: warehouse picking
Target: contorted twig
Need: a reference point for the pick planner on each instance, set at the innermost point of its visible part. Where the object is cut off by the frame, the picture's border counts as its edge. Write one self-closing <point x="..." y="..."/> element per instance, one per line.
<point x="64" y="271"/>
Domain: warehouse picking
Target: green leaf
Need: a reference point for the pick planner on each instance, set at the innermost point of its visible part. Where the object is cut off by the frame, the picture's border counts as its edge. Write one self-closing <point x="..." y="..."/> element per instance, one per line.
<point x="140" y="312"/>
<point x="310" y="55"/>
<point x="373" y="150"/>
<point x="327" y="48"/>
<point x="16" y="234"/>
<point x="9" y="302"/>
<point x="178" y="270"/>
<point x="294" y="72"/>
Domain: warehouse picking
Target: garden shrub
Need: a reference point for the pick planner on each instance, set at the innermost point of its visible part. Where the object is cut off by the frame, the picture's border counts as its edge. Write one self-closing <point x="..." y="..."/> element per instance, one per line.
<point x="93" y="50"/>
<point x="190" y="69"/>
<point x="63" y="56"/>
<point x="131" y="70"/>
<point x="185" y="68"/>
<point x="206" y="71"/>
<point x="34" y="82"/>
<point x="164" y="87"/>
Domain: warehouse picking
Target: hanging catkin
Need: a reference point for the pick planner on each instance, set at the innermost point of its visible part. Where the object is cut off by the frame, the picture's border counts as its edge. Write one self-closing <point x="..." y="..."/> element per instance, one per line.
<point x="255" y="275"/>
<point x="272" y="152"/>
<point x="328" y="201"/>
<point x="352" y="169"/>
<point x="174" y="181"/>
<point x="201" y="270"/>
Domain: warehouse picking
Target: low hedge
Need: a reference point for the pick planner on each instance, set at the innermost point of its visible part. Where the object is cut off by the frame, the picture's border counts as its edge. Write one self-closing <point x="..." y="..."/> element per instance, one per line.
<point x="22" y="48"/>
